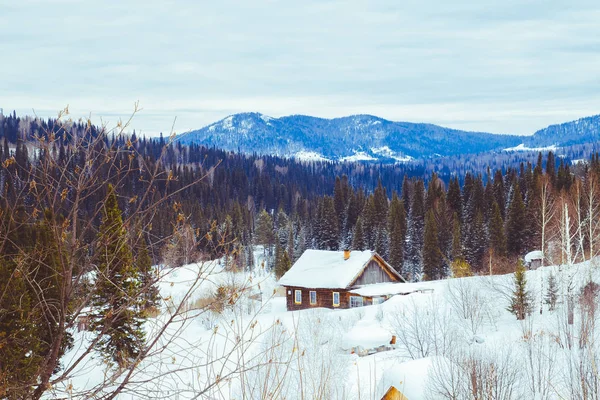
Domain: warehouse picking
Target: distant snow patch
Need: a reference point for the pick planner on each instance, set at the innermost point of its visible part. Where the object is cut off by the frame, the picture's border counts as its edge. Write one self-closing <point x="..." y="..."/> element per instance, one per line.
<point x="228" y="123"/>
<point x="265" y="118"/>
<point x="522" y="147"/>
<point x="358" y="156"/>
<point x="387" y="152"/>
<point x="309" y="156"/>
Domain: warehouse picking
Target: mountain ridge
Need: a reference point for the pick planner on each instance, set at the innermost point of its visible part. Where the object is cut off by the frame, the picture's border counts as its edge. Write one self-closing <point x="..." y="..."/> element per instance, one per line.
<point x="365" y="137"/>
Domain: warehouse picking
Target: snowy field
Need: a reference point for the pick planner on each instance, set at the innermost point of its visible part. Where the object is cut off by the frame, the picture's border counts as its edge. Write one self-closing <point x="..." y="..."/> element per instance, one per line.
<point x="450" y="342"/>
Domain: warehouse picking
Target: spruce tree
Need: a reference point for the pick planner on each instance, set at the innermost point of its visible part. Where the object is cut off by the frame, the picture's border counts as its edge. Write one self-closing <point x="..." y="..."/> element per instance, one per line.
<point x="397" y="229"/>
<point x="284" y="265"/>
<point x="551" y="167"/>
<point x="148" y="276"/>
<point x="17" y="330"/>
<point x="551" y="292"/>
<point x="516" y="234"/>
<point x="499" y="192"/>
<point x="453" y="196"/>
<point x="264" y="232"/>
<point x="117" y="312"/>
<point x="358" y="242"/>
<point x="433" y="262"/>
<point x="496" y="232"/>
<point x="415" y="231"/>
<point x="521" y="301"/>
<point x="457" y="251"/>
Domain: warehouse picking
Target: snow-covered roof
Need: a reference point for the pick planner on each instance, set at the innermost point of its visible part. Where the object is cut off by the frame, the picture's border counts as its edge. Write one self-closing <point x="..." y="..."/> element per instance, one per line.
<point x="322" y="269"/>
<point x="533" y="255"/>
<point x="384" y="289"/>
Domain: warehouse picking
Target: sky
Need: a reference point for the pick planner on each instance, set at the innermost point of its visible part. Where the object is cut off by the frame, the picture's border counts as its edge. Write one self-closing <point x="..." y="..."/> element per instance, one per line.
<point x="512" y="66"/>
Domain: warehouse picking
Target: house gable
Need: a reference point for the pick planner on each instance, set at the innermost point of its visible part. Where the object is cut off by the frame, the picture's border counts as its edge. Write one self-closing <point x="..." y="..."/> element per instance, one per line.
<point x="376" y="271"/>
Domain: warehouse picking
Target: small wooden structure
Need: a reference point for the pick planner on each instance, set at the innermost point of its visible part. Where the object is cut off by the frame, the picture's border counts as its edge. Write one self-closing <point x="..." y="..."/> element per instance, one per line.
<point x="533" y="259"/>
<point x="333" y="279"/>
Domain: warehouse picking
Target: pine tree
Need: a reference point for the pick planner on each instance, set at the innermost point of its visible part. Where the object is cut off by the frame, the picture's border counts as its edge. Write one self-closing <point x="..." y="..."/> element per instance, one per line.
<point x="516" y="234"/>
<point x="117" y="305"/>
<point x="264" y="233"/>
<point x="475" y="242"/>
<point x="283" y="265"/>
<point x="551" y="292"/>
<point x="397" y="229"/>
<point x="433" y="262"/>
<point x="369" y="224"/>
<point x="17" y="330"/>
<point x="416" y="225"/>
<point x="358" y="242"/>
<point x="453" y="196"/>
<point x="496" y="232"/>
<point x="457" y="251"/>
<point x="148" y="276"/>
<point x="551" y="167"/>
<point x="521" y="301"/>
<point x="327" y="226"/>
<point x="499" y="192"/>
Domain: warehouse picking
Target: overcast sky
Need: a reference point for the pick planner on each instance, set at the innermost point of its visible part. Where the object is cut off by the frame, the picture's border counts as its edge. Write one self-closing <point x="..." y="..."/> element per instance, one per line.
<point x="511" y="66"/>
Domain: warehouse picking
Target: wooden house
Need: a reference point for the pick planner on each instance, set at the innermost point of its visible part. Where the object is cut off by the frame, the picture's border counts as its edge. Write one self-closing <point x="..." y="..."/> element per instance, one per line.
<point x="339" y="279"/>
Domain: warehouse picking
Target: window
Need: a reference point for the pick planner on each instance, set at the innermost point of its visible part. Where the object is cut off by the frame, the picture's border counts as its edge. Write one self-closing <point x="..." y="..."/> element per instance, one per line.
<point x="336" y="299"/>
<point x="356" y="301"/>
<point x="298" y="296"/>
<point x="378" y="300"/>
<point x="313" y="297"/>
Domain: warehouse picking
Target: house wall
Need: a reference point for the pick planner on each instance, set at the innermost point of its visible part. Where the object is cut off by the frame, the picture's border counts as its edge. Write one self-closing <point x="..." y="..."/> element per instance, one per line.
<point x="324" y="298"/>
<point x="373" y="273"/>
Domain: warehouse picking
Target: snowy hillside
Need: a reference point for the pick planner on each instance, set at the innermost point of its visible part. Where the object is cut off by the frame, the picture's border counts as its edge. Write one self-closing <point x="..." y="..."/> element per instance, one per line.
<point x="353" y="138"/>
<point x="369" y="138"/>
<point x="458" y="333"/>
<point x="583" y="130"/>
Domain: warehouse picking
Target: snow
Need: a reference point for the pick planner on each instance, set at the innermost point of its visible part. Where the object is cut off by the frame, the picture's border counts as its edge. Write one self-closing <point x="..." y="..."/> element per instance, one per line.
<point x="533" y="255"/>
<point x="358" y="156"/>
<point x="227" y="123"/>
<point x="309" y="156"/>
<point x="387" y="152"/>
<point x="322" y="269"/>
<point x="383" y="289"/>
<point x="320" y="338"/>
<point x="407" y="377"/>
<point x="522" y="147"/>
<point x="265" y="118"/>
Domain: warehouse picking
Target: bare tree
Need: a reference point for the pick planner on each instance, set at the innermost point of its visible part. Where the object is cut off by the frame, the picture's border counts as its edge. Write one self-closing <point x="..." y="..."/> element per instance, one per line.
<point x="71" y="187"/>
<point x="468" y="303"/>
<point x="475" y="374"/>
<point x="423" y="331"/>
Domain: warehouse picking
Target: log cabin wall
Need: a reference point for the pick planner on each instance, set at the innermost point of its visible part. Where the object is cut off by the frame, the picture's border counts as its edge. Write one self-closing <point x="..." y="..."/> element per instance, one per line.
<point x="324" y="298"/>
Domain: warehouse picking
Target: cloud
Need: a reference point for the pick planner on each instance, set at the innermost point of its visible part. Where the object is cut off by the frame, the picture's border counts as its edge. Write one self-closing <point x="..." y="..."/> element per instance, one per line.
<point x="510" y="67"/>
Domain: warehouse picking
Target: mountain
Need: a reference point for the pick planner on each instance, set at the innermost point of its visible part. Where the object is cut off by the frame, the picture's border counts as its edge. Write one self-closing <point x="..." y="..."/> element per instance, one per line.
<point x="353" y="138"/>
<point x="583" y="130"/>
<point x="369" y="138"/>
